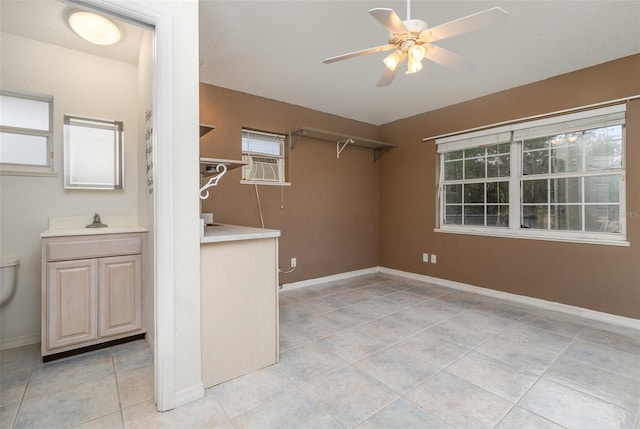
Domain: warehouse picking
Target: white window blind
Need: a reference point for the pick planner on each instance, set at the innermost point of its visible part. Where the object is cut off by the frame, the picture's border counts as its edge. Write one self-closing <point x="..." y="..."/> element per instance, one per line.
<point x="590" y="119"/>
<point x="595" y="118"/>
<point x="256" y="142"/>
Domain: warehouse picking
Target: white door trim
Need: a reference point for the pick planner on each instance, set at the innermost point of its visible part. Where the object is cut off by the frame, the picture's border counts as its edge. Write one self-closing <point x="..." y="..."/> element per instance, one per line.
<point x="164" y="369"/>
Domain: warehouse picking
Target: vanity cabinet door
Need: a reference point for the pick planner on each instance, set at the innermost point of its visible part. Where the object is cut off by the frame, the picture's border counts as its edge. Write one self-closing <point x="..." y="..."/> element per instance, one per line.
<point x="72" y="294"/>
<point x="120" y="295"/>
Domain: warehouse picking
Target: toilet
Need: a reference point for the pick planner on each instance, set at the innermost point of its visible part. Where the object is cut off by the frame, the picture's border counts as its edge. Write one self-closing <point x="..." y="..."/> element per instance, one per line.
<point x="8" y="279"/>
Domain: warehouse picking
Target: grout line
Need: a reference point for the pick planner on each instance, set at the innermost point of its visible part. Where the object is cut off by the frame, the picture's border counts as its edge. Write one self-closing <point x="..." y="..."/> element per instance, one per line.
<point x="115" y="375"/>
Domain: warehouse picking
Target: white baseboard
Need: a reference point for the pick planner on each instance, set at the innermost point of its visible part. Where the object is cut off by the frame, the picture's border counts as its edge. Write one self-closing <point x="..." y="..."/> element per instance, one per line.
<point x="190" y="394"/>
<point x="332" y="278"/>
<point x="23" y="340"/>
<point x="613" y="319"/>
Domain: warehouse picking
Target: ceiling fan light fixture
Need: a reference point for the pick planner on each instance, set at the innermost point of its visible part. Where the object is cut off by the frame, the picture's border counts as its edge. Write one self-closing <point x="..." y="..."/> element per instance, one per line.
<point x="392" y="61"/>
<point x="94" y="28"/>
<point x="417" y="52"/>
<point x="413" y="66"/>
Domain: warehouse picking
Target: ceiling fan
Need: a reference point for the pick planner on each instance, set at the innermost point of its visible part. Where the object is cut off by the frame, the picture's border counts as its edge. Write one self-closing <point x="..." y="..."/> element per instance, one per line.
<point x="412" y="39"/>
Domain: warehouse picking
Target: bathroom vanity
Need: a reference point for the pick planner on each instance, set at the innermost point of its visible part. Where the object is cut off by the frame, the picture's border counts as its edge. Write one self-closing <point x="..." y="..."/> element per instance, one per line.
<point x="239" y="301"/>
<point x="91" y="286"/>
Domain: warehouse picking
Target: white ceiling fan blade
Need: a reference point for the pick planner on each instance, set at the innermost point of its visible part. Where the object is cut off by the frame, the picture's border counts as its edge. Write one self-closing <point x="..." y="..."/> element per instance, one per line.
<point x="389" y="19"/>
<point x="469" y="23"/>
<point x="358" y="53"/>
<point x="388" y="75"/>
<point x="447" y="58"/>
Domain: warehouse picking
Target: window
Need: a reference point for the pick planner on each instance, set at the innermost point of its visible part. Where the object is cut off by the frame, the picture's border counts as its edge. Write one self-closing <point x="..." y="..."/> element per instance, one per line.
<point x="25" y="133"/>
<point x="555" y="178"/>
<point x="264" y="155"/>
<point x="93" y="153"/>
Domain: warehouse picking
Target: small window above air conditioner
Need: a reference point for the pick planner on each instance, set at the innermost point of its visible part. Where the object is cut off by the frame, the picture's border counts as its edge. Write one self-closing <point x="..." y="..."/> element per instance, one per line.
<point x="264" y="155"/>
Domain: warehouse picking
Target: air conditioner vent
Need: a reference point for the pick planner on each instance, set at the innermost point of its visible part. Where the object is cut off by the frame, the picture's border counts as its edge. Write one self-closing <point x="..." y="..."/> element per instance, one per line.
<point x="262" y="168"/>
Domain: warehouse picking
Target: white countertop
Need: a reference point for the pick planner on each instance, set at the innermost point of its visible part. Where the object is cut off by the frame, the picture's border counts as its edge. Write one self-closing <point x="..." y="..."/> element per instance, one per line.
<point x="220" y="233"/>
<point x="62" y="232"/>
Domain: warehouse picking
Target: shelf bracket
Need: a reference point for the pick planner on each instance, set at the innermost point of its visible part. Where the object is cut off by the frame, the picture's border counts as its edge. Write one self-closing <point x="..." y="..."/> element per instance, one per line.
<point x="213" y="181"/>
<point x="339" y="148"/>
<point x="294" y="137"/>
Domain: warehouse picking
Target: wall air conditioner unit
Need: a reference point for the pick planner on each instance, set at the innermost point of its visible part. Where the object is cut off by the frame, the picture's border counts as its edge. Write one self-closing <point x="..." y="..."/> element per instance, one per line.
<point x="262" y="168"/>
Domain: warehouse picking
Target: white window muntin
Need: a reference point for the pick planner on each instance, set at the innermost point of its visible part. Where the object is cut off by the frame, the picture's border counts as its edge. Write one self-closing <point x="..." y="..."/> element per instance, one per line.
<point x="26" y="133"/>
<point x="596" y="118"/>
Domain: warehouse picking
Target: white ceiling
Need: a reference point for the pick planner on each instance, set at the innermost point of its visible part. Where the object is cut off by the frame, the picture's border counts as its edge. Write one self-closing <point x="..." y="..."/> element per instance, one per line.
<point x="275" y="49"/>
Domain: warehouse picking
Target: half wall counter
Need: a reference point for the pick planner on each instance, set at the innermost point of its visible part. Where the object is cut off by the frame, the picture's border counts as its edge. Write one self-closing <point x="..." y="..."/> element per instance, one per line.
<point x="239" y="301"/>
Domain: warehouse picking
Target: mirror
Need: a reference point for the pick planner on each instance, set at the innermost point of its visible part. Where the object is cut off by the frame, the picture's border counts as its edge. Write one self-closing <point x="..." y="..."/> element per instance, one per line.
<point x="93" y="153"/>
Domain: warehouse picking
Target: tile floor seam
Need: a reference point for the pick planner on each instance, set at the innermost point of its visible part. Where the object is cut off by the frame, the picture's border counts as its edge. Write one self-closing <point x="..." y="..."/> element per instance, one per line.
<point x="115" y="375"/>
<point x="226" y="415"/>
<point x="540" y="377"/>
<point x="24" y="392"/>
<point x="598" y="398"/>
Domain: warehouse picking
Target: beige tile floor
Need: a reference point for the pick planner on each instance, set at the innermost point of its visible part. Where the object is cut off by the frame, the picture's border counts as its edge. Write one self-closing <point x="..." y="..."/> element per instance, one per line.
<point x="370" y="352"/>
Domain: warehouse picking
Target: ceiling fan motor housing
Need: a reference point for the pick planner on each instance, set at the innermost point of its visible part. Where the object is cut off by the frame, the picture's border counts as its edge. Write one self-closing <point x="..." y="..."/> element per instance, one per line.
<point x="415" y="25"/>
<point x="411" y="37"/>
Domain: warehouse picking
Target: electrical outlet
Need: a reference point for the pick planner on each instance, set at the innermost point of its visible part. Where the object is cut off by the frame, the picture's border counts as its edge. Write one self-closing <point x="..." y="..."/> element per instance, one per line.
<point x="433" y="258"/>
<point x="425" y="257"/>
<point x="294" y="262"/>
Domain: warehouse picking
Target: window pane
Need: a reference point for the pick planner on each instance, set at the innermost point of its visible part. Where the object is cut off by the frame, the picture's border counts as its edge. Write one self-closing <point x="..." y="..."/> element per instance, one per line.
<point x="532" y="144"/>
<point x="453" y="215"/>
<point x="453" y="170"/>
<point x="474" y="193"/>
<point x="498" y="215"/>
<point x="498" y="166"/>
<point x="474" y="168"/>
<point x="534" y="217"/>
<point x="603" y="148"/>
<point x="475" y="152"/>
<point x="24" y="113"/>
<point x="503" y="148"/>
<point x="566" y="217"/>
<point x="566" y="159"/>
<point x="602" y="218"/>
<point x="23" y="149"/>
<point x="566" y="190"/>
<point x="498" y="192"/>
<point x="602" y="189"/>
<point x="474" y="215"/>
<point x="453" y="194"/>
<point x="536" y="162"/>
<point x="453" y="155"/>
<point x="535" y="191"/>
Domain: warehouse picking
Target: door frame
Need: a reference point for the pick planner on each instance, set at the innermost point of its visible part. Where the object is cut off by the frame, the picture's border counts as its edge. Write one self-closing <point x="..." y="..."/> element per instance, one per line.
<point x="163" y="201"/>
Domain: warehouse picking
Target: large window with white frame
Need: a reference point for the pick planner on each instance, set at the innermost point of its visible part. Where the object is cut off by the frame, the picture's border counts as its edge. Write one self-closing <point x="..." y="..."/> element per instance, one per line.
<point x="558" y="178"/>
<point x="26" y="129"/>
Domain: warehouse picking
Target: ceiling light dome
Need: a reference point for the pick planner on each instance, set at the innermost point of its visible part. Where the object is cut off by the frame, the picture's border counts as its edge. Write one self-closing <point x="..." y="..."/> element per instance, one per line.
<point x="94" y="28"/>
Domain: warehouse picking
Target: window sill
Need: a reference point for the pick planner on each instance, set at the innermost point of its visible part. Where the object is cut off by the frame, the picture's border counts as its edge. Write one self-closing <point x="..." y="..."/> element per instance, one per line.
<point x="4" y="172"/>
<point x="609" y="240"/>
<point x="258" y="182"/>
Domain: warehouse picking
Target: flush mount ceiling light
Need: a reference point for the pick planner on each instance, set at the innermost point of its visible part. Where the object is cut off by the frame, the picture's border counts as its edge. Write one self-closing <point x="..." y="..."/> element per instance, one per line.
<point x="94" y="28"/>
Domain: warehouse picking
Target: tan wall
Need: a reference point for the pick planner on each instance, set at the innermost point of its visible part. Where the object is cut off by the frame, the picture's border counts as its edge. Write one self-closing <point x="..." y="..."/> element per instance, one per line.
<point x="602" y="278"/>
<point x="329" y="216"/>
